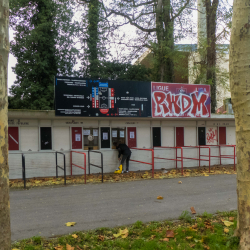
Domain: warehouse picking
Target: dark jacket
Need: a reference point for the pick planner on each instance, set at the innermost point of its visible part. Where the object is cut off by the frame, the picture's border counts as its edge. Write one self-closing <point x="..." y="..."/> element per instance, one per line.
<point x="123" y="150"/>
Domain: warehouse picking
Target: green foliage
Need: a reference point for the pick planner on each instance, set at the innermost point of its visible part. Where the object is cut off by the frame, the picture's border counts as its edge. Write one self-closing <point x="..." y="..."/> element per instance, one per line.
<point x="124" y="71"/>
<point x="43" y="48"/>
<point x="201" y="233"/>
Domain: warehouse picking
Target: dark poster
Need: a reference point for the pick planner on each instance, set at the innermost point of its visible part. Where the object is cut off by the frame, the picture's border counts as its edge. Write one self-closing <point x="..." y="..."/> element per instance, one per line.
<point x="105" y="98"/>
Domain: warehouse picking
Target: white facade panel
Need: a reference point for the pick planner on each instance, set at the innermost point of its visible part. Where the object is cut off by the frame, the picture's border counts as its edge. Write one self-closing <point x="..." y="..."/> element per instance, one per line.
<point x="167" y="136"/>
<point x="231" y="136"/>
<point x="61" y="138"/>
<point x="29" y="138"/>
<point x="190" y="136"/>
<point x="143" y="137"/>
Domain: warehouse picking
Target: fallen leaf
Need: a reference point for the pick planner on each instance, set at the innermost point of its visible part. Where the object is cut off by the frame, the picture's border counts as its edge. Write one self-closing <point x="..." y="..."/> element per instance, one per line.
<point x="194" y="226"/>
<point x="170" y="234"/>
<point x="68" y="247"/>
<point x="166" y="239"/>
<point x="189" y="237"/>
<point x="228" y="223"/>
<point x="206" y="175"/>
<point x="74" y="236"/>
<point x="70" y="224"/>
<point x="198" y="241"/>
<point x="101" y="238"/>
<point x="179" y="182"/>
<point x="192" y="245"/>
<point x="206" y="247"/>
<point x="159" y="197"/>
<point x="59" y="247"/>
<point x="122" y="233"/>
<point x="152" y="237"/>
<point x="226" y="230"/>
<point x="231" y="218"/>
<point x="192" y="210"/>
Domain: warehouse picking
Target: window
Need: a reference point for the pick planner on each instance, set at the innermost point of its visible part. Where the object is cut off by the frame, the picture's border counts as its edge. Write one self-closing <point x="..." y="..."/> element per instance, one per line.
<point x="118" y="135"/>
<point x="202" y="136"/>
<point x="45" y="135"/>
<point x="90" y="138"/>
<point x="156" y="137"/>
<point x="13" y="138"/>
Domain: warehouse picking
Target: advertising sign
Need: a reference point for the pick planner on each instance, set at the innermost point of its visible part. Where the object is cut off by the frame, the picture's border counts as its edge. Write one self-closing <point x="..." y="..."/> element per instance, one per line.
<point x="180" y="100"/>
<point x="105" y="98"/>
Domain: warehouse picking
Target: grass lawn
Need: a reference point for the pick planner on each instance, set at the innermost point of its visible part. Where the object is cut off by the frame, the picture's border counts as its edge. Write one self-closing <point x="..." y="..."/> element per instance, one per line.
<point x="206" y="231"/>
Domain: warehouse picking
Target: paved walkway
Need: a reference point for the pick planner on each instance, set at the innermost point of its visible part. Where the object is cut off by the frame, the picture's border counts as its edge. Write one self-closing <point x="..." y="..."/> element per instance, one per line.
<point x="44" y="211"/>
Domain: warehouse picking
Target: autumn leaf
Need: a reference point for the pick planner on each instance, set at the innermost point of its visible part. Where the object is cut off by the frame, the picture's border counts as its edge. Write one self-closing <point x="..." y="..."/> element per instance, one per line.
<point x="189" y="237"/>
<point x="159" y="197"/>
<point x="122" y="233"/>
<point x="101" y="238"/>
<point x="227" y="223"/>
<point x="68" y="247"/>
<point x="179" y="182"/>
<point x="170" y="234"/>
<point x="226" y="230"/>
<point x="231" y="218"/>
<point x="70" y="224"/>
<point x="59" y="247"/>
<point x="206" y="175"/>
<point x="166" y="239"/>
<point x="206" y="247"/>
<point x="192" y="210"/>
<point x="74" y="236"/>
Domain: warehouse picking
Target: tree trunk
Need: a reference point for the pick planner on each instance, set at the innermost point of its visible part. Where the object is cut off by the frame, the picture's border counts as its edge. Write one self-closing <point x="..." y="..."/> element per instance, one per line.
<point x="211" y="9"/>
<point x="5" y="235"/>
<point x="239" y="64"/>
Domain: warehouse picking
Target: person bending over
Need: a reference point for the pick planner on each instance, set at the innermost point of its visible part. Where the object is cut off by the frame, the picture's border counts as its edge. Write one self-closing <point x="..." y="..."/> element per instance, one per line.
<point x="123" y="150"/>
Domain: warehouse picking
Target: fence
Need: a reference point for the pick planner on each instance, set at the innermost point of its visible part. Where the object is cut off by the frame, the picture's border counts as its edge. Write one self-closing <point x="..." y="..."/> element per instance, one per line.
<point x="64" y="166"/>
<point x="73" y="164"/>
<point x="94" y="165"/>
<point x="148" y="163"/>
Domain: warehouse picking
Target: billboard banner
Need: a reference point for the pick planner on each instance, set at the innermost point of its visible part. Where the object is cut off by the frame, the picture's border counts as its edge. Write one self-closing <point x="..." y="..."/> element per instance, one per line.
<point x="180" y="100"/>
<point x="102" y="98"/>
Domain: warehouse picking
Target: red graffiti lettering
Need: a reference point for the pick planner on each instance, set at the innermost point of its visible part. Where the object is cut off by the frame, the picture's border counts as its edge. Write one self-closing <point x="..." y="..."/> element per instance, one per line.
<point x="199" y="107"/>
<point x="168" y="104"/>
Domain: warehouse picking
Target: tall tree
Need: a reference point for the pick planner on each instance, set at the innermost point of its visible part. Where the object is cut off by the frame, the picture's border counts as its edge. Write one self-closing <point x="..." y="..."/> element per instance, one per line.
<point x="5" y="233"/>
<point x="43" y="48"/>
<point x="159" y="23"/>
<point x="239" y="62"/>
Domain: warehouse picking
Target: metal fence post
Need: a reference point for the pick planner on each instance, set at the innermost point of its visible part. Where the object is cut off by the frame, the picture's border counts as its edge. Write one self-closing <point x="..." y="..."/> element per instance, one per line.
<point x="24" y="170"/>
<point x="56" y="167"/>
<point x="89" y="161"/>
<point x="64" y="169"/>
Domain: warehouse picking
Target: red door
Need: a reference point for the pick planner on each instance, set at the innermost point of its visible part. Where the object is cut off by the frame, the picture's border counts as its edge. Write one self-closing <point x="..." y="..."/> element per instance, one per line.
<point x="179" y="136"/>
<point x="13" y="138"/>
<point x="131" y="137"/>
<point x="76" y="138"/>
<point x="222" y="135"/>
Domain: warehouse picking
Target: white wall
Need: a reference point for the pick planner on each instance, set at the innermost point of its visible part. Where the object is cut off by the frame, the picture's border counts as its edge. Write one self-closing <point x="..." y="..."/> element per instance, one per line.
<point x="29" y="138"/>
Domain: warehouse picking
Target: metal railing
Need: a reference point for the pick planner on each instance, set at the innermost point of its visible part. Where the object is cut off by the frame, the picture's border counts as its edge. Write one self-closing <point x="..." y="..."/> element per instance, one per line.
<point x="94" y="165"/>
<point x="23" y="171"/>
<point x="64" y="166"/>
<point x="73" y="164"/>
<point x="148" y="163"/>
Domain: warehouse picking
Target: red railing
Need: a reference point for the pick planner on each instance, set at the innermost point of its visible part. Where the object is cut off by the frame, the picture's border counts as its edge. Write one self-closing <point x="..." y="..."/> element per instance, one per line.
<point x="220" y="156"/>
<point x="152" y="162"/>
<point x="176" y="156"/>
<point x="200" y="159"/>
<point x="228" y="156"/>
<point x="72" y="164"/>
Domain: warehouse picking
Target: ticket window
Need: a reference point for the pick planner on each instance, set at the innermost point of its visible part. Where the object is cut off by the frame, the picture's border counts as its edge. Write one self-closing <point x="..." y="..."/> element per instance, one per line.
<point x="179" y="136"/>
<point x="46" y="139"/>
<point x="76" y="137"/>
<point x="201" y="136"/>
<point x="105" y="137"/>
<point x="90" y="138"/>
<point x="131" y="132"/>
<point x="222" y="136"/>
<point x="13" y="138"/>
<point x="118" y="135"/>
<point x="156" y="137"/>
